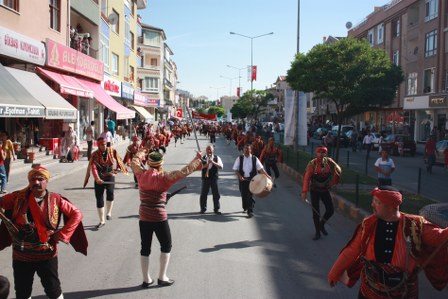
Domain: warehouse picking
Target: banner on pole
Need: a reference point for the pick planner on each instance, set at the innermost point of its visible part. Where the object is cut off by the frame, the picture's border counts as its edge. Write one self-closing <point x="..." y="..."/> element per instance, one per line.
<point x="179" y="112"/>
<point x="203" y="116"/>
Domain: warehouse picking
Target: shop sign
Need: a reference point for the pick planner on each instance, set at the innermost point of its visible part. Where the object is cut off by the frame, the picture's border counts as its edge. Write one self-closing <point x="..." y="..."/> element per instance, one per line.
<point x="437" y="101"/>
<point x="70" y="60"/>
<point x="13" y="44"/>
<point x="139" y="99"/>
<point x="154" y="102"/>
<point x="127" y="92"/>
<point x="18" y="111"/>
<point x="111" y="86"/>
<point x="60" y="114"/>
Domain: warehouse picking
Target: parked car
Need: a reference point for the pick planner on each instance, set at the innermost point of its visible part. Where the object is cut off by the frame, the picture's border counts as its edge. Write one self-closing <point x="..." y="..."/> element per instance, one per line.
<point x="320" y="133"/>
<point x="344" y="141"/>
<point x="344" y="128"/>
<point x="397" y="144"/>
<point x="441" y="146"/>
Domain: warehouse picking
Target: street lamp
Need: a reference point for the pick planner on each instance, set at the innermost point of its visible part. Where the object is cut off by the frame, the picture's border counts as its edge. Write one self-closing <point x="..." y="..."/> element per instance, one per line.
<point x="230" y="82"/>
<point x="251" y="53"/>
<point x="239" y="74"/>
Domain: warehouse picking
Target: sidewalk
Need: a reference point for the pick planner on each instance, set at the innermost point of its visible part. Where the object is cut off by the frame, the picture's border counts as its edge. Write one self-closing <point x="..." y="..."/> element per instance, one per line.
<point x="19" y="169"/>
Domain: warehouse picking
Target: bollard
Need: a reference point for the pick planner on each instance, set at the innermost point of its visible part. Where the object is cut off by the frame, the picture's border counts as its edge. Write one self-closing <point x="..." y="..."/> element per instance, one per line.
<point x="357" y="190"/>
<point x="419" y="180"/>
<point x="348" y="159"/>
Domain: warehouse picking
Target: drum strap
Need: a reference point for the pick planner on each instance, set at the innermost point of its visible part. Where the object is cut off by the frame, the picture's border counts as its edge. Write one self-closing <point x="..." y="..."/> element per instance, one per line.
<point x="254" y="166"/>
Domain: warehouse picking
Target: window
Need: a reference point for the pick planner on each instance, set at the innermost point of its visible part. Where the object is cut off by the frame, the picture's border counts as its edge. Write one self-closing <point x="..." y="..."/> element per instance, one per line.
<point x="380" y="34"/>
<point x="13" y="4"/>
<point x="412" y="84"/>
<point x="104" y="6"/>
<point x="152" y="38"/>
<point x="153" y="61"/>
<point x="396" y="28"/>
<point x="55" y="15"/>
<point x="126" y="68"/>
<point x="370" y="37"/>
<point x="151" y="84"/>
<point x="428" y="84"/>
<point x="114" y="21"/>
<point x="131" y="74"/>
<point x="114" y="64"/>
<point x="132" y="40"/>
<point x="127" y="31"/>
<point x="431" y="43"/>
<point x="396" y="57"/>
<point x="104" y="46"/>
<point x="431" y="9"/>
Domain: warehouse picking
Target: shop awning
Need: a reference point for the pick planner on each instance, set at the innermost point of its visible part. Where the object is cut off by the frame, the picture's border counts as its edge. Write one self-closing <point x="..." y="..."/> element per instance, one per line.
<point x="67" y="84"/>
<point x="15" y="100"/>
<point x="56" y="107"/>
<point x="143" y="112"/>
<point x="105" y="99"/>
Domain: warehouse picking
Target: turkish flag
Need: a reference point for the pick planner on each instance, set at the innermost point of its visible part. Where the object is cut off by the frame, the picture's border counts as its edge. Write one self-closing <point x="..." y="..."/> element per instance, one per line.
<point x="179" y="112"/>
<point x="254" y="73"/>
<point x="238" y="92"/>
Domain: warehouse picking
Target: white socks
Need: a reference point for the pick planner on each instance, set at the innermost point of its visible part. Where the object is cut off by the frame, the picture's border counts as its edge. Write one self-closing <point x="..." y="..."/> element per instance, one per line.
<point x="109" y="205"/>
<point x="101" y="214"/>
<point x="164" y="261"/>
<point x="144" y="263"/>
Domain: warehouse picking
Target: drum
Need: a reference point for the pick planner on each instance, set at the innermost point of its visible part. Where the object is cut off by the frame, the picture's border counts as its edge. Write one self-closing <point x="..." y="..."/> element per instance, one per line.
<point x="260" y="185"/>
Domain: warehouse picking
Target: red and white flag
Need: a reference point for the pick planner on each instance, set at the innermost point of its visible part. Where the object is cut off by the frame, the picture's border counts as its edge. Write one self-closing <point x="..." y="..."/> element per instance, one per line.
<point x="254" y="73"/>
<point x="179" y="112"/>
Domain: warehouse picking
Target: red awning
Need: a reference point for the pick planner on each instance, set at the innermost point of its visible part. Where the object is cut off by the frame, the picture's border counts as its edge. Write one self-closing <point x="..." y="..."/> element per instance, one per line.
<point x="101" y="95"/>
<point x="67" y="84"/>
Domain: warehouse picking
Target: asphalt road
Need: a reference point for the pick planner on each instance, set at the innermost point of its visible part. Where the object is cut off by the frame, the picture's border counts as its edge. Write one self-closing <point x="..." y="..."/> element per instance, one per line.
<point x="213" y="256"/>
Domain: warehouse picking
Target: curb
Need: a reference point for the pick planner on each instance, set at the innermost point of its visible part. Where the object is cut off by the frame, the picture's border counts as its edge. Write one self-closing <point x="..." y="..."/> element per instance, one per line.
<point x="343" y="206"/>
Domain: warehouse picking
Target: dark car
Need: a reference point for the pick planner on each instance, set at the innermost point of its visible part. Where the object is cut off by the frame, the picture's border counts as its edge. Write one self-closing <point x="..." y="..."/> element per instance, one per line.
<point x="320" y="133"/>
<point x="344" y="141"/>
<point x="397" y="144"/>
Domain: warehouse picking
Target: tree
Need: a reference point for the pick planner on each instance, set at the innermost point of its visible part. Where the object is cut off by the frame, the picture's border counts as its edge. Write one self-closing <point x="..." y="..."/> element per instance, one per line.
<point x="349" y="73"/>
<point x="215" y="109"/>
<point x="250" y="103"/>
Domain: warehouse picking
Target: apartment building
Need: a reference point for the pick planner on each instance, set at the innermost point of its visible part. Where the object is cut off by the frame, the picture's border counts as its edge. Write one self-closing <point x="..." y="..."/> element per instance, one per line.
<point x="413" y="33"/>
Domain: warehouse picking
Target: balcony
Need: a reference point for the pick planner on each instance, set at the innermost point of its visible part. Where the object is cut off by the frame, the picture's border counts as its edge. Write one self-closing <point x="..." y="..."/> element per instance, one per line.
<point x="141" y="4"/>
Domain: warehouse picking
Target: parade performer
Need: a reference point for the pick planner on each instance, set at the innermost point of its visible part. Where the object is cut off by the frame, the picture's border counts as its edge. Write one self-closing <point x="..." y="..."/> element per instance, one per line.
<point x="131" y="150"/>
<point x="258" y="146"/>
<point x="388" y="250"/>
<point x="153" y="186"/>
<point x="246" y="167"/>
<point x="102" y="167"/>
<point x="321" y="174"/>
<point x="212" y="163"/>
<point x="31" y="224"/>
<point x="270" y="155"/>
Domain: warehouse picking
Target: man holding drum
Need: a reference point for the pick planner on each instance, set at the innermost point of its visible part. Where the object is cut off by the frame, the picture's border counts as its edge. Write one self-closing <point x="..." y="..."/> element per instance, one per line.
<point x="246" y="167"/>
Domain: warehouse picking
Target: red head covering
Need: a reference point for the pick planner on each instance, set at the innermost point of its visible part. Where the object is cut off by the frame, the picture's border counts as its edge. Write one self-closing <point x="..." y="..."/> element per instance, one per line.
<point x="136" y="138"/>
<point x="321" y="149"/>
<point x="101" y="140"/>
<point x="388" y="197"/>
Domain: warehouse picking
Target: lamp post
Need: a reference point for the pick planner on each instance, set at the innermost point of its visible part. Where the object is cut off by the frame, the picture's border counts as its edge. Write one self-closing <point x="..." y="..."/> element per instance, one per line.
<point x="230" y="82"/>
<point x="239" y="74"/>
<point x="251" y="53"/>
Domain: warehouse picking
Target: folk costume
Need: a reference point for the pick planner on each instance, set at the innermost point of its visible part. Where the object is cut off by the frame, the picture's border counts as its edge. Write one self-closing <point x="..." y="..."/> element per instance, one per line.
<point x="388" y="255"/>
<point x="131" y="150"/>
<point x="153" y="186"/>
<point x="32" y="226"/>
<point x="270" y="155"/>
<point x="101" y="165"/>
<point x="321" y="174"/>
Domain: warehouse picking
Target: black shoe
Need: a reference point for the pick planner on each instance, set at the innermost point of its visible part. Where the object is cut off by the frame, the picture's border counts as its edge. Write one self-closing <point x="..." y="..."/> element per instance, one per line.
<point x="250" y="215"/>
<point x="322" y="228"/>
<point x="275" y="186"/>
<point x="108" y="217"/>
<point x="316" y="236"/>
<point x="165" y="283"/>
<point x="202" y="211"/>
<point x="100" y="225"/>
<point x="218" y="212"/>
<point x="146" y="285"/>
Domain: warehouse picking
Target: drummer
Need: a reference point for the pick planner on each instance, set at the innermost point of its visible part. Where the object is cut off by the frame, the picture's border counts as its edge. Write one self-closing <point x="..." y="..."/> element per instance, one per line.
<point x="246" y="167"/>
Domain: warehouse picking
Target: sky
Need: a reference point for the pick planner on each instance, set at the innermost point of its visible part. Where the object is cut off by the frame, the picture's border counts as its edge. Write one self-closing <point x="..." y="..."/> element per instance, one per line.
<point x="198" y="33"/>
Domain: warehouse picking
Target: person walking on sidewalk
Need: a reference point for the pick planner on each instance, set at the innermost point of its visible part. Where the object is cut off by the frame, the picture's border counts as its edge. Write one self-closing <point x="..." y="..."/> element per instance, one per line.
<point x="211" y="164"/>
<point x="90" y="136"/>
<point x="8" y="147"/>
<point x="31" y="225"/>
<point x="389" y="249"/>
<point x="101" y="165"/>
<point x="430" y="153"/>
<point x="2" y="170"/>
<point x="247" y="166"/>
<point x="368" y="142"/>
<point x="321" y="174"/>
<point x="153" y="184"/>
<point x="384" y="166"/>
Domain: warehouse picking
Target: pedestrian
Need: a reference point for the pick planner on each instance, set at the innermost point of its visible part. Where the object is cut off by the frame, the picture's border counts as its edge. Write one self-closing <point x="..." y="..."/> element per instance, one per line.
<point x="380" y="142"/>
<point x="270" y="155"/>
<point x="107" y="135"/>
<point x="247" y="166"/>
<point x="368" y="142"/>
<point x="212" y="133"/>
<point x="321" y="174"/>
<point x="2" y="170"/>
<point x="111" y="126"/>
<point x="32" y="221"/>
<point x="8" y="147"/>
<point x="4" y="287"/>
<point x="36" y="134"/>
<point x="430" y="153"/>
<point x="101" y="165"/>
<point x="153" y="184"/>
<point x="90" y="136"/>
<point x="211" y="164"/>
<point x="354" y="140"/>
<point x="384" y="166"/>
<point x="389" y="249"/>
<point x="70" y="145"/>
<point x="131" y="150"/>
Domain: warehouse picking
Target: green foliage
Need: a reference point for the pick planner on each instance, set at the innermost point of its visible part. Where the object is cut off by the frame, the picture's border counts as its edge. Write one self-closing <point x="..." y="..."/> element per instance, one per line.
<point x="250" y="103"/>
<point x="200" y="110"/>
<point x="215" y="109"/>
